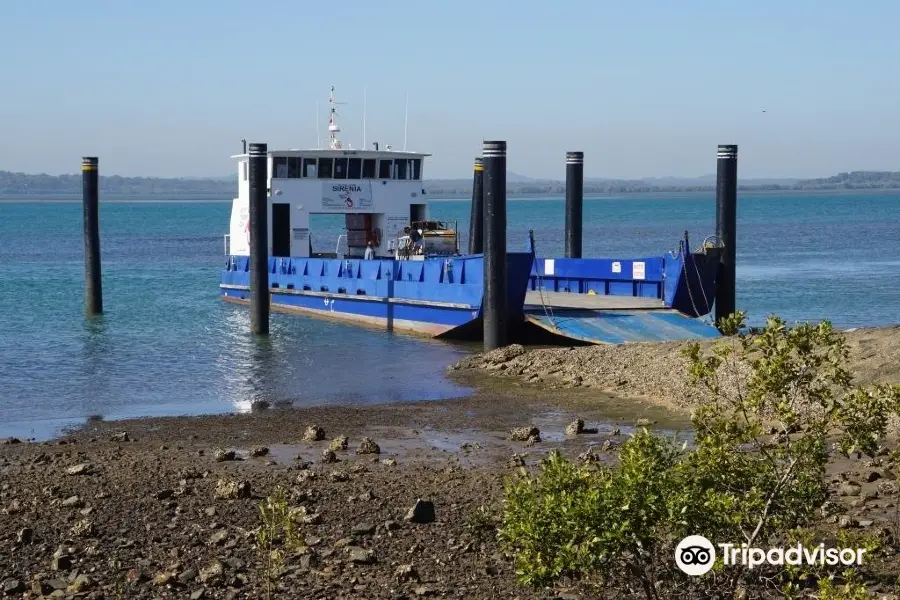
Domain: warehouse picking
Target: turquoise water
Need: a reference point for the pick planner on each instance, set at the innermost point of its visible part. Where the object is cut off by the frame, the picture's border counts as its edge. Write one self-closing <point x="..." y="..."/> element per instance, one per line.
<point x="167" y="345"/>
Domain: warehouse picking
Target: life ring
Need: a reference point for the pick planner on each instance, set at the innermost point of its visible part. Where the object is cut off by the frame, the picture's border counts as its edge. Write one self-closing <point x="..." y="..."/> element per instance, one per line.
<point x="349" y="202"/>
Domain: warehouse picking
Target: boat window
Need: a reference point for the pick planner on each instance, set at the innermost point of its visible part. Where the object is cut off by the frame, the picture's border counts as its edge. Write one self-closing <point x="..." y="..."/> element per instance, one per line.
<point x="280" y="167"/>
<point x="325" y="167"/>
<point x="293" y="167"/>
<point x="368" y="169"/>
<point x="417" y="168"/>
<point x="401" y="168"/>
<point x="354" y="170"/>
<point x="340" y="168"/>
<point x="309" y="167"/>
<point x="384" y="168"/>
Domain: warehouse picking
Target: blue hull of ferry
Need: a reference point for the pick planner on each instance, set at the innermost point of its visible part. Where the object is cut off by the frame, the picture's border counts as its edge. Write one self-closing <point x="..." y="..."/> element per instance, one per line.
<point x="435" y="297"/>
<point x="685" y="282"/>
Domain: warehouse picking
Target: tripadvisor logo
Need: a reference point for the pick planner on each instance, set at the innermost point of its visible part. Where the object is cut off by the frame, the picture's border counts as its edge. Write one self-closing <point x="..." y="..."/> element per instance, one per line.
<point x="695" y="555"/>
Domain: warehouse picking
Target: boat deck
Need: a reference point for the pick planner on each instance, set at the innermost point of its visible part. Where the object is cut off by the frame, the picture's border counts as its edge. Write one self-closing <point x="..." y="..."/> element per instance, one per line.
<point x="536" y="299"/>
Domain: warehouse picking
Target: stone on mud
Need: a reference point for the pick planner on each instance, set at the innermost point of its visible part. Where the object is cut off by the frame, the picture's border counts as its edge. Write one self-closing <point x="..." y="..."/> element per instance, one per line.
<point x="575" y="427"/>
<point x="849" y="489"/>
<point x="226" y="490"/>
<point x="363" y="529"/>
<point x="79" y="469"/>
<point x="212" y="572"/>
<point x="224" y="455"/>
<point x="421" y="512"/>
<point x="361" y="556"/>
<point x="313" y="433"/>
<point x="339" y="443"/>
<point x="13" y="586"/>
<point x="522" y="434"/>
<point x="367" y="446"/>
<point x="406" y="573"/>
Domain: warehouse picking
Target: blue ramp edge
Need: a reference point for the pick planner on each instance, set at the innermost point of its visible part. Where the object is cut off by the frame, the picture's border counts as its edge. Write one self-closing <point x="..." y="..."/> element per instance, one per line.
<point x="623" y="326"/>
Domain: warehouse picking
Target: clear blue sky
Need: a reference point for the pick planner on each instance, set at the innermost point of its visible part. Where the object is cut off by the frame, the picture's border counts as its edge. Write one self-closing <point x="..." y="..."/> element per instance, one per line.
<point x="644" y="88"/>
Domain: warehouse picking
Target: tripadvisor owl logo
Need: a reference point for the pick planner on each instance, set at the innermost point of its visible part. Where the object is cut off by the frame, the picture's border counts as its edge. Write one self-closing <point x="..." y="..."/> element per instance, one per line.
<point x="695" y="555"/>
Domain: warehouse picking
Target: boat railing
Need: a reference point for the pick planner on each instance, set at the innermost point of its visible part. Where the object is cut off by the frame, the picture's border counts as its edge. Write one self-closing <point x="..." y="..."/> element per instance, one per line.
<point x="227" y="242"/>
<point x="337" y="247"/>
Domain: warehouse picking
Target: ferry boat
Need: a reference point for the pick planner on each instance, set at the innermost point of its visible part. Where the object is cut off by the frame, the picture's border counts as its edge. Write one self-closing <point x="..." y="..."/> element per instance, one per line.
<point x="413" y="278"/>
<point x="400" y="270"/>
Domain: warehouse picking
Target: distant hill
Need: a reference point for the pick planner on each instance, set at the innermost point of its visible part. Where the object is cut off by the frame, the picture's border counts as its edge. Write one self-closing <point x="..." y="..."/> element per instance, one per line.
<point x="512" y="177"/>
<point x="19" y="184"/>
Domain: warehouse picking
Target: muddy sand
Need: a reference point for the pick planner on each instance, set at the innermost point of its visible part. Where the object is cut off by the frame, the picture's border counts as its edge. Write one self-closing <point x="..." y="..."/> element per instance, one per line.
<point x="147" y="508"/>
<point x="169" y="507"/>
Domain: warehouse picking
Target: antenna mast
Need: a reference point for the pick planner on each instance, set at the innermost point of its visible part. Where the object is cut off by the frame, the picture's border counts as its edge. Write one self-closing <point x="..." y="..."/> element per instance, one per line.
<point x="318" y="137"/>
<point x="365" y="104"/>
<point x="333" y="128"/>
<point x="405" y="121"/>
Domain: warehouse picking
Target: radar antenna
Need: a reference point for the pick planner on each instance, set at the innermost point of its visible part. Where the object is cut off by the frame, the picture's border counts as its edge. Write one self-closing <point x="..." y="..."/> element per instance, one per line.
<point x="333" y="128"/>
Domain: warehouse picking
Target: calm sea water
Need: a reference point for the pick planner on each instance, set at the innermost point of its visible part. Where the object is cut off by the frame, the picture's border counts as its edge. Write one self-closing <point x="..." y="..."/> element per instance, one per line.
<point x="167" y="345"/>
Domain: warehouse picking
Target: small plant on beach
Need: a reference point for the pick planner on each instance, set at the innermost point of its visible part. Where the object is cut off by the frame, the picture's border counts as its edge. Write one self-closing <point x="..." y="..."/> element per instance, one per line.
<point x="480" y="520"/>
<point x="850" y="589"/>
<point x="575" y="521"/>
<point x="770" y="407"/>
<point x="276" y="536"/>
<point x="482" y="524"/>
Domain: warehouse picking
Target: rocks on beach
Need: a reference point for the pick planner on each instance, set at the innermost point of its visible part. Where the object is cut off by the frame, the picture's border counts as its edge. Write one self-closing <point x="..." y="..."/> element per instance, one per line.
<point x="421" y="512"/>
<point x="657" y="370"/>
<point x="577" y="427"/>
<point x="225" y="455"/>
<point x="339" y="443"/>
<point x="80" y="469"/>
<point x="313" y="433"/>
<point x="530" y="435"/>
<point x="230" y="489"/>
<point x="368" y="446"/>
<point x="178" y="523"/>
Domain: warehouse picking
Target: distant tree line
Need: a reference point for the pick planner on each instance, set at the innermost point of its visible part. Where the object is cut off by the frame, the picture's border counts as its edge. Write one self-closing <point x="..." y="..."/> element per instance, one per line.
<point x="854" y="180"/>
<point x="19" y="184"/>
<point x="445" y="189"/>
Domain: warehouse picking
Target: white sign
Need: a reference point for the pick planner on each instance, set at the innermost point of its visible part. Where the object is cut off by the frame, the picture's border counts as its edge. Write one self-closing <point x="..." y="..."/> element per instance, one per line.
<point x="617" y="267"/>
<point x="394" y="226"/>
<point x="548" y="266"/>
<point x="301" y="232"/>
<point x="346" y="196"/>
<point x="637" y="270"/>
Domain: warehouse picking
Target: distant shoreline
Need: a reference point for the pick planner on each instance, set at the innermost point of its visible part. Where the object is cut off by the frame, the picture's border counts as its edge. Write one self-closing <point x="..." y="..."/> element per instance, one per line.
<point x="40" y="186"/>
<point x="201" y="198"/>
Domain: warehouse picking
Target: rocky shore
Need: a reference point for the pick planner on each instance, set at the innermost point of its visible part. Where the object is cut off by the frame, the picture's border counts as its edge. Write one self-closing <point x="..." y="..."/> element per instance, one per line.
<point x="393" y="501"/>
<point x="169" y="508"/>
<point x="655" y="371"/>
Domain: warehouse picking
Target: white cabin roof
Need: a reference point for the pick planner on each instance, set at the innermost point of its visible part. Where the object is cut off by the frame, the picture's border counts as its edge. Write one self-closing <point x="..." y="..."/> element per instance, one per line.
<point x="328" y="152"/>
